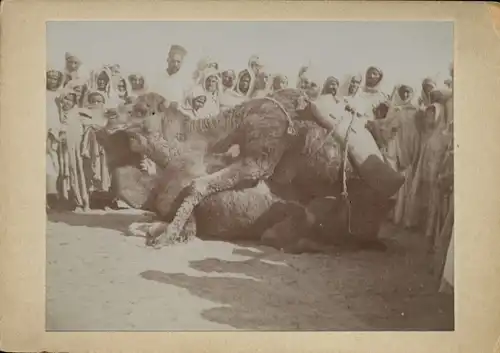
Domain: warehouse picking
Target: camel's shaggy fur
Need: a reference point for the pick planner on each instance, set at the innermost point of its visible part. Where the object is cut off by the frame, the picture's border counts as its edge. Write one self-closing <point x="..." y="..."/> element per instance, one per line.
<point x="230" y="215"/>
<point x="261" y="127"/>
<point x="307" y="160"/>
<point x="278" y="143"/>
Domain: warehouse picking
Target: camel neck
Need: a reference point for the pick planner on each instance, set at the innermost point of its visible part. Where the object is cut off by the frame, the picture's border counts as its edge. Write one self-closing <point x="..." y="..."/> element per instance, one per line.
<point x="222" y="124"/>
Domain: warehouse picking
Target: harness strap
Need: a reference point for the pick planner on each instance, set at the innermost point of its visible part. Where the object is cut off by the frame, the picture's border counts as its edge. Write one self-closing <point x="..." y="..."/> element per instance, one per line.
<point x="344" y="193"/>
<point x="291" y="129"/>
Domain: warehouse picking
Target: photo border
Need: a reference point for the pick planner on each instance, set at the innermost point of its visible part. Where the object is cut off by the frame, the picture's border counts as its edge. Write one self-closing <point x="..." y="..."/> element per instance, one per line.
<point x="22" y="127"/>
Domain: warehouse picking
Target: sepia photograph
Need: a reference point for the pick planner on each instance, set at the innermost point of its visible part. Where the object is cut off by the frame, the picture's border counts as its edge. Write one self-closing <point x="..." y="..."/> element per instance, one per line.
<point x="250" y="175"/>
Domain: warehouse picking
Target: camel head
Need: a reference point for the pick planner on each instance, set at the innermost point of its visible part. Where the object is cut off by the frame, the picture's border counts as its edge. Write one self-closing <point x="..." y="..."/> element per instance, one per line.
<point x="131" y="184"/>
<point x="149" y="108"/>
<point x="150" y="103"/>
<point x="119" y="151"/>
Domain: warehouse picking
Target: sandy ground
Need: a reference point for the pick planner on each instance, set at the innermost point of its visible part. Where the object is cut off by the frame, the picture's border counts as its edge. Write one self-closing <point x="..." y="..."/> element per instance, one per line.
<point x="99" y="279"/>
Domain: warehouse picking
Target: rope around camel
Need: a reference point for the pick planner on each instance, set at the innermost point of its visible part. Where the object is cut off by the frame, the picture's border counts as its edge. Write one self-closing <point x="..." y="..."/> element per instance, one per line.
<point x="292" y="131"/>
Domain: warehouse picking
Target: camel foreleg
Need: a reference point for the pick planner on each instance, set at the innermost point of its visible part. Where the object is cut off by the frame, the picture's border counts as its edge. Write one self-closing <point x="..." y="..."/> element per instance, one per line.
<point x="156" y="229"/>
<point x="241" y="174"/>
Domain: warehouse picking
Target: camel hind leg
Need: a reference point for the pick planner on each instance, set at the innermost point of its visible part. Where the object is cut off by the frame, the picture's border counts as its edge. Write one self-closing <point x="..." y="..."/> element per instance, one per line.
<point x="242" y="174"/>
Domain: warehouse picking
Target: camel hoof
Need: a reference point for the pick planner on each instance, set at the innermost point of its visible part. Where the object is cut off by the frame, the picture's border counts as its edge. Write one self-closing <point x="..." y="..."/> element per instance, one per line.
<point x="150" y="241"/>
<point x="156" y="244"/>
<point x="154" y="232"/>
<point x="168" y="237"/>
<point x="162" y="240"/>
<point x="153" y="242"/>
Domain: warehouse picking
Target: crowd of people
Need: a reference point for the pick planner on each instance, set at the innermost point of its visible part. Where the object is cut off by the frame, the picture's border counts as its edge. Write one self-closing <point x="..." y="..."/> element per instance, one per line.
<point x="417" y="125"/>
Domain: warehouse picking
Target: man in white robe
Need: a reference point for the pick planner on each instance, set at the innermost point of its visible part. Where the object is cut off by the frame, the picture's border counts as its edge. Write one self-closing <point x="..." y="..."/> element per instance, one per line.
<point x="174" y="83"/>
<point x="371" y="95"/>
<point x="350" y="92"/>
<point x="73" y="69"/>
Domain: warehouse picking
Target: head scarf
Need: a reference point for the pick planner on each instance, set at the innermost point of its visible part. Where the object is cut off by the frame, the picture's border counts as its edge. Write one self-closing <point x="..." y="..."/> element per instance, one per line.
<point x="262" y="85"/>
<point x="66" y="91"/>
<point x="209" y="72"/>
<point x="212" y="103"/>
<point x="437" y="117"/>
<point x="94" y="93"/>
<point x="397" y="101"/>
<point x="144" y="88"/>
<point x="128" y="88"/>
<point x="60" y="77"/>
<point x="79" y="74"/>
<point x="314" y="75"/>
<point x="234" y="80"/>
<point x="344" y="88"/>
<point x="251" y="85"/>
<point x="443" y="98"/>
<point x="188" y="107"/>
<point x="177" y="49"/>
<point x="69" y="55"/>
<point x="197" y="91"/>
<point x="315" y="78"/>
<point x="230" y="96"/>
<point x="327" y="81"/>
<point x="425" y="99"/>
<point x="202" y="65"/>
<point x="94" y="76"/>
<point x="278" y="78"/>
<point x="81" y="96"/>
<point x="63" y="93"/>
<point x="300" y="74"/>
<point x="377" y="86"/>
<point x="255" y="60"/>
<point x="115" y="69"/>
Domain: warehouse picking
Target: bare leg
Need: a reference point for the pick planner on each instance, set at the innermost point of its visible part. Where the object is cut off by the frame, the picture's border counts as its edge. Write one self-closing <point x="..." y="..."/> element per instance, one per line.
<point x="225" y="179"/>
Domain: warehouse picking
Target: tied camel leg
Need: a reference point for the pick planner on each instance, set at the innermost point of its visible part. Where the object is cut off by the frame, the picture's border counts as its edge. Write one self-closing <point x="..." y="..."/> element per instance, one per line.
<point x="228" y="178"/>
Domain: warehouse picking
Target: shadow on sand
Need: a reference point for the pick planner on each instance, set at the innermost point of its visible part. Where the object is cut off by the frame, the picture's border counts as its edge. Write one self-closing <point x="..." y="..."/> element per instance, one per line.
<point x="98" y="219"/>
<point x="362" y="290"/>
<point x="349" y="291"/>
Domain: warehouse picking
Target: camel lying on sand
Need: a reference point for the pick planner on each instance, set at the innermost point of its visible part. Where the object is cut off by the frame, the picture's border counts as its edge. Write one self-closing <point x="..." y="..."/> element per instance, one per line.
<point x="273" y="133"/>
<point x="252" y="213"/>
<point x="231" y="215"/>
